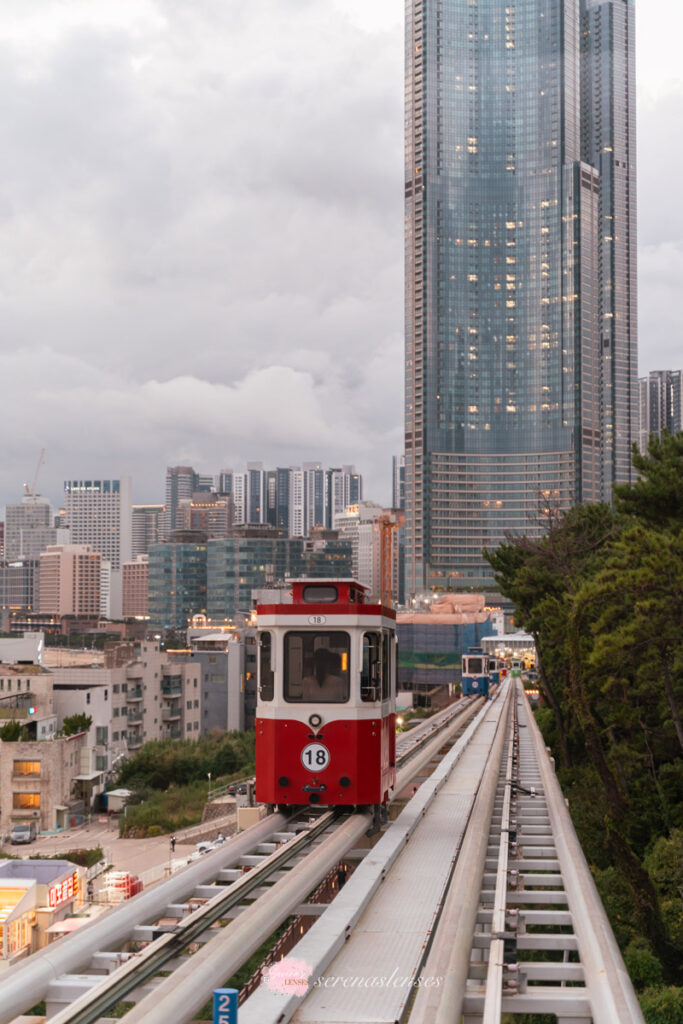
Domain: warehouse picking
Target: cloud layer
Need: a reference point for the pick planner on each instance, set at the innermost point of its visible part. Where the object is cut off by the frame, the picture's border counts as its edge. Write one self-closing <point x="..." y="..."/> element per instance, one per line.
<point x="201" y="236"/>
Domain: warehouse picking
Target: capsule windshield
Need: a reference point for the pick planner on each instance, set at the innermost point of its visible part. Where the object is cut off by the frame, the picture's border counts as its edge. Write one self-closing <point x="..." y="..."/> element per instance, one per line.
<point x="317" y="667"/>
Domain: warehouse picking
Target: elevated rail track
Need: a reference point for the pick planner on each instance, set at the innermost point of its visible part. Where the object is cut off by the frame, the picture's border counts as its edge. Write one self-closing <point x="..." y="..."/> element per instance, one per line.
<point x="83" y="975"/>
<point x="476" y="901"/>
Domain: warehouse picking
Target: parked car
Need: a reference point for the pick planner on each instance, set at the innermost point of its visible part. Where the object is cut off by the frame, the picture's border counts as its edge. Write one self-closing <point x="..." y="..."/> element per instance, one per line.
<point x="23" y="832"/>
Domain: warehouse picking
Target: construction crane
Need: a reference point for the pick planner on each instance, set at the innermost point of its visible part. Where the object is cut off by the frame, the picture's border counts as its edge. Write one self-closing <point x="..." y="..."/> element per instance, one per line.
<point x="387" y="525"/>
<point x="31" y="492"/>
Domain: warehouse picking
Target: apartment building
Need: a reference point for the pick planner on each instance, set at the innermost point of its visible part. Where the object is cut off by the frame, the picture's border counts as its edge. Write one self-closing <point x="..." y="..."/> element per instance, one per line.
<point x="70" y="580"/>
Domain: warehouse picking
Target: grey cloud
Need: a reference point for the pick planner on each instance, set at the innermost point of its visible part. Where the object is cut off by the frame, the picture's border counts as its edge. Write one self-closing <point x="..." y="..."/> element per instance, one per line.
<point x="201" y="238"/>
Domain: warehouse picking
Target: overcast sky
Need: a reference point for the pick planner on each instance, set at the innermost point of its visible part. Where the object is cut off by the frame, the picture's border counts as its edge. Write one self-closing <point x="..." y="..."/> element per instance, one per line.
<point x="201" y="252"/>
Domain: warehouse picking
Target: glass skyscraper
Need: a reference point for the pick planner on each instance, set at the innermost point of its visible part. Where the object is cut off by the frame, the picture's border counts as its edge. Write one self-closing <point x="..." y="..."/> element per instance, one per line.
<point x="520" y="211"/>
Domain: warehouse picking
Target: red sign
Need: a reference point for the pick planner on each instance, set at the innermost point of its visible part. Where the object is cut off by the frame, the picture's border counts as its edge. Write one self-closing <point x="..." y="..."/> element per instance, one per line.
<point x="62" y="891"/>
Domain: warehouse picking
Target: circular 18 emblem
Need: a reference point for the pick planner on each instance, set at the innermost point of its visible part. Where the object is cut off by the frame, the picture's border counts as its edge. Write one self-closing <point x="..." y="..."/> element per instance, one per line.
<point x="315" y="757"/>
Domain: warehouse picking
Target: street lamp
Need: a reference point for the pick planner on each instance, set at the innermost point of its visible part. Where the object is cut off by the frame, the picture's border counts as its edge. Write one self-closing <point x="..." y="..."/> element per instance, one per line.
<point x="209" y="774"/>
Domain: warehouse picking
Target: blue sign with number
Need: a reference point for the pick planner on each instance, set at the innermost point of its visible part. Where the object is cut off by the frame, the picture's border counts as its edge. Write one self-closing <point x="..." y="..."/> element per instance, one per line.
<point x="225" y="1005"/>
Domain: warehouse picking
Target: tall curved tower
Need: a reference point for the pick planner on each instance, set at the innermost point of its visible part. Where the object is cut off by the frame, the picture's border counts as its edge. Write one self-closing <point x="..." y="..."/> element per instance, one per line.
<point x="520" y="227"/>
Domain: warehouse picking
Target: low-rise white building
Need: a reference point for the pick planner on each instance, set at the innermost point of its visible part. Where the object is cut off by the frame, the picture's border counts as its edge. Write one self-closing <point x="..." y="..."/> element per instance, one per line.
<point x="36" y="896"/>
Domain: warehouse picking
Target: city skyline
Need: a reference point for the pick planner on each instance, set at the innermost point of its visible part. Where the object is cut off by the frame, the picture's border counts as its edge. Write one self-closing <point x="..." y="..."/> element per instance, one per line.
<point x="147" y="317"/>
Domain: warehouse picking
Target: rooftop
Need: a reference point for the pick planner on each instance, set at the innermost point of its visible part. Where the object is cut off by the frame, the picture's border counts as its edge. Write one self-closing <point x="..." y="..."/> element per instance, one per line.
<point x="22" y="670"/>
<point x="43" y="871"/>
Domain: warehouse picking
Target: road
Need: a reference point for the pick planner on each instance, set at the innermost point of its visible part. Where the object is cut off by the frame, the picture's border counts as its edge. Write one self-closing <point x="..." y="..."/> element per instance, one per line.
<point x="138" y="856"/>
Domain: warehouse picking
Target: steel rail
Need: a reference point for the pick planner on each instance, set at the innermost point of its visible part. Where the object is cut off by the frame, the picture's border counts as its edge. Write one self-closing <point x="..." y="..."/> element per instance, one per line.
<point x="494" y="979"/>
<point x="91" y="1005"/>
<point x="28" y="982"/>
<point x="228" y="950"/>
<point x="609" y="988"/>
<point x="179" y="997"/>
<point x="449" y="956"/>
<point x="411" y="741"/>
<point x="129" y="976"/>
<point x="414" y="761"/>
<point x="319" y="949"/>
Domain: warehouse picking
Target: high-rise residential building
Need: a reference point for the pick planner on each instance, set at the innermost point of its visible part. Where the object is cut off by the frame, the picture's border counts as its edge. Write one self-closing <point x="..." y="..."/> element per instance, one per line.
<point x="147" y="527"/>
<point x="205" y="483"/>
<point x="70" y="580"/>
<point x="181" y="483"/>
<point x="660" y="405"/>
<point x="106" y="580"/>
<point x="343" y="487"/>
<point x="295" y="499"/>
<point x="29" y="528"/>
<point x="271" y="497"/>
<point x="100" y="513"/>
<point x="256" y="493"/>
<point x="239" y="498"/>
<point x="314" y="477"/>
<point x="135" y="576"/>
<point x="520" y="216"/>
<point x="19" y="582"/>
<point x="177" y="580"/>
<point x="398" y="481"/>
<point x="225" y="481"/>
<point x="210" y="513"/>
<point x="297" y="525"/>
<point x="258" y="556"/>
<point x="372" y="532"/>
<point x="283" y="483"/>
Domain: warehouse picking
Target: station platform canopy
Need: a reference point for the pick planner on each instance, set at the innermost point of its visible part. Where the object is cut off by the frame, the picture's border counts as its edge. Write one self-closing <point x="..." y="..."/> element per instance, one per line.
<point x="511" y="643"/>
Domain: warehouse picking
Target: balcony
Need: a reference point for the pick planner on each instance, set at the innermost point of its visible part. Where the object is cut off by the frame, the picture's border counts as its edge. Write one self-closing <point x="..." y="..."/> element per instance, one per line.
<point x="171" y="686"/>
<point x="134" y="671"/>
<point x="135" y="718"/>
<point x="172" y="734"/>
<point x="134" y="740"/>
<point x="134" y="693"/>
<point x="170" y="714"/>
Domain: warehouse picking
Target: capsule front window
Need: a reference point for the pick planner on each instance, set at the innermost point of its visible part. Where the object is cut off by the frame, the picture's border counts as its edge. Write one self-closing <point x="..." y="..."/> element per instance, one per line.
<point x="317" y="667"/>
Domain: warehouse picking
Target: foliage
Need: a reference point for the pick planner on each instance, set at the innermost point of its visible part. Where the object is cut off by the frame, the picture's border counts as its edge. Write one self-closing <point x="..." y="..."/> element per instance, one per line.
<point x="416" y="714"/>
<point x="643" y="967"/>
<point x="248" y="968"/>
<point x="662" y="1005"/>
<point x="39" y="1010"/>
<point x="657" y="496"/>
<point x="73" y="724"/>
<point x="85" y="858"/>
<point x="12" y="732"/>
<point x="157" y="813"/>
<point x="163" y="763"/>
<point x="602" y="593"/>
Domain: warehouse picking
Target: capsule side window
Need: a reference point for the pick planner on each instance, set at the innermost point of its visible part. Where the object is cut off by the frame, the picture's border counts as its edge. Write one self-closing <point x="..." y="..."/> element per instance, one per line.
<point x="386" y="666"/>
<point x="266" y="674"/>
<point x="371" y="668"/>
